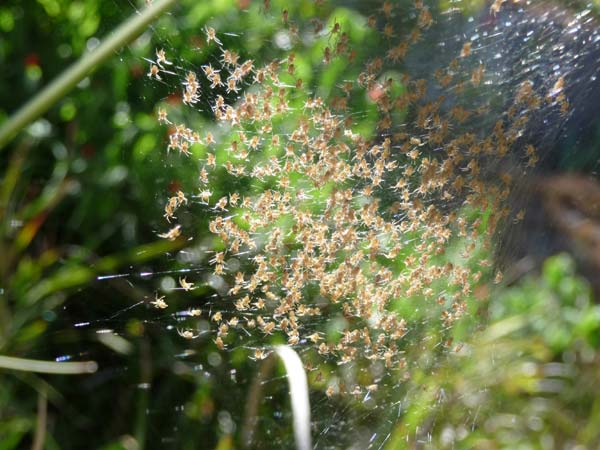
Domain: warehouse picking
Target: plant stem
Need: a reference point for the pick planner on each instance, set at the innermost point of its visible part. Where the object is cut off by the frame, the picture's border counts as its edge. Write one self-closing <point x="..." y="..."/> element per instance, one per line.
<point x="39" y="438"/>
<point x="125" y="33"/>
<point x="34" y="365"/>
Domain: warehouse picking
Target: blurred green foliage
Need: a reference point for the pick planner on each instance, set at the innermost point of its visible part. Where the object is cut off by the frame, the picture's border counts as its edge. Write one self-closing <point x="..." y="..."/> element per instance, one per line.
<point x="529" y="380"/>
<point x="82" y="195"/>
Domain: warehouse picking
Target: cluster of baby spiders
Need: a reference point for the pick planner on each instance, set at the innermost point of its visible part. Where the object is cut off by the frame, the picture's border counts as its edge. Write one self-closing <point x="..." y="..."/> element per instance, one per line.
<point x="357" y="250"/>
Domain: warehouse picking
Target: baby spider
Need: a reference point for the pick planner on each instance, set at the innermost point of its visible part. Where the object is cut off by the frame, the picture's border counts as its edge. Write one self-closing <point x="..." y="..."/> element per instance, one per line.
<point x="154" y="70"/>
<point x="194" y="312"/>
<point x="170" y="208"/>
<point x="181" y="198"/>
<point x="162" y="116"/>
<point x="209" y="71"/>
<point x="187" y="334"/>
<point x="231" y="85"/>
<point x="172" y="234"/>
<point x="315" y="337"/>
<point x="260" y="354"/>
<point x="159" y="302"/>
<point x="161" y="58"/>
<point x="185" y="285"/>
<point x="211" y="35"/>
<point x="205" y="195"/>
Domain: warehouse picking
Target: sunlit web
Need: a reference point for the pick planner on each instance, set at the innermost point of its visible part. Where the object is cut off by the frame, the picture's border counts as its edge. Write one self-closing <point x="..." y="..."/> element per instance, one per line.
<point x="341" y="171"/>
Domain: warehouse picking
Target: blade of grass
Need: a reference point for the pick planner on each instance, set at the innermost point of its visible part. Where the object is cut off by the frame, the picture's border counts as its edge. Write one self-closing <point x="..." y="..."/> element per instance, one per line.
<point x="35" y="365"/>
<point x="299" y="395"/>
<point x="39" y="437"/>
<point x="66" y="81"/>
<point x="12" y="175"/>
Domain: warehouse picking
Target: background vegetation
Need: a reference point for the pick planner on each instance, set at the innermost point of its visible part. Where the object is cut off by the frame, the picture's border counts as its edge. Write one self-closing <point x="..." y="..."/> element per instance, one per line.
<point x="82" y="196"/>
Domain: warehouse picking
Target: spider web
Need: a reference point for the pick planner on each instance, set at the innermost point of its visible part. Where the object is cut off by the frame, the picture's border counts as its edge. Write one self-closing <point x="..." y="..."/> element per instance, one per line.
<point x="496" y="88"/>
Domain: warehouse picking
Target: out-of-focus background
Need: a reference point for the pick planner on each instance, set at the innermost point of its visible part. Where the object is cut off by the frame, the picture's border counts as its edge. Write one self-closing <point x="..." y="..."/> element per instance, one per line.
<point x="82" y="202"/>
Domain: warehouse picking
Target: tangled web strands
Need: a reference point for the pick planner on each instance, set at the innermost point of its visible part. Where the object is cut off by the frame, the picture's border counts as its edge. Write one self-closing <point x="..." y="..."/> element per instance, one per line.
<point x="355" y="223"/>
